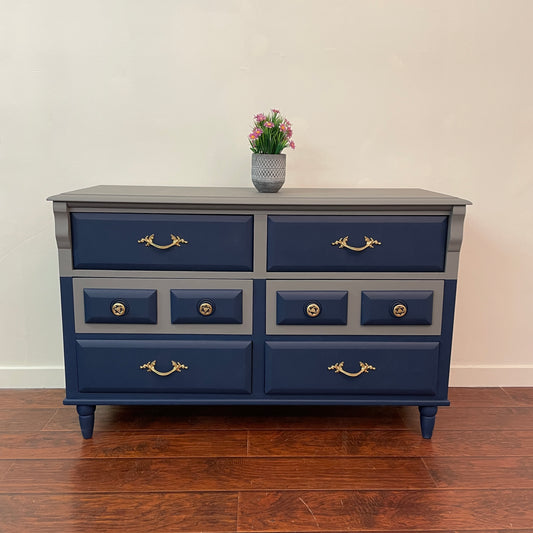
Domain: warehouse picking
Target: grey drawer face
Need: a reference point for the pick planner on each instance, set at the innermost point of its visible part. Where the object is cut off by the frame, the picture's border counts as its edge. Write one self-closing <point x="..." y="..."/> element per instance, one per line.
<point x="427" y="317"/>
<point x="240" y="309"/>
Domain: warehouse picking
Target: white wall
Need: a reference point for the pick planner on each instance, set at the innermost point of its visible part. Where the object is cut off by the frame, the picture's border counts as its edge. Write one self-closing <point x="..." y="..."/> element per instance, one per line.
<point x="409" y="93"/>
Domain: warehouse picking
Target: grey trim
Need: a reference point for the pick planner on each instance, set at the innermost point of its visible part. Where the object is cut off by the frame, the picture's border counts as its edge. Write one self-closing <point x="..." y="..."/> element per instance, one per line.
<point x="62" y="225"/>
<point x="354" y="288"/>
<point x="455" y="228"/>
<point x="163" y="287"/>
<point x="202" y="196"/>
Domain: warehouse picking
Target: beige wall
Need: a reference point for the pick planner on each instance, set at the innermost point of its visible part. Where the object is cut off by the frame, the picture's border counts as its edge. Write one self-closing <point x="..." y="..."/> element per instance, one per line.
<point x="405" y="93"/>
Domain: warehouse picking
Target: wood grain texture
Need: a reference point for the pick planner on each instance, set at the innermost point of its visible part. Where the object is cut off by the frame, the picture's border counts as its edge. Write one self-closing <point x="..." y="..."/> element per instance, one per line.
<point x="26" y="419"/>
<point x="35" y="398"/>
<point x="174" y="418"/>
<point x="481" y="396"/>
<point x="521" y="395"/>
<point x="371" y="443"/>
<point x="134" y="513"/>
<point x="385" y="510"/>
<point x="69" y="445"/>
<point x="481" y="472"/>
<point x="214" y="474"/>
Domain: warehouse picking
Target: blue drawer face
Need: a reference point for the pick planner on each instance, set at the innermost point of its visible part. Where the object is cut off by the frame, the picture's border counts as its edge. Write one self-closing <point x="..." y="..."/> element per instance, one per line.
<point x="405" y="243"/>
<point x="316" y="368"/>
<point x="206" y="306"/>
<point x="189" y="242"/>
<point x="120" y="306"/>
<point x="396" y="307"/>
<point x="311" y="307"/>
<point x="212" y="366"/>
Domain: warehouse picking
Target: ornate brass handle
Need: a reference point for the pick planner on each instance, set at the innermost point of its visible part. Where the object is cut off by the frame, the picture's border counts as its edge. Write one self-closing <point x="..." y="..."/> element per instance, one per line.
<point x="205" y="309"/>
<point x="176" y="367"/>
<point x="312" y="310"/>
<point x="370" y="241"/>
<point x="339" y="367"/>
<point x="118" y="309"/>
<point x="399" y="310"/>
<point x="176" y="241"/>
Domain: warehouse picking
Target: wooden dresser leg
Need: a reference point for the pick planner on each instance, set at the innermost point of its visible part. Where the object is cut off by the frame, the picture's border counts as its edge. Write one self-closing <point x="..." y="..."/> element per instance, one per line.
<point x="86" y="416"/>
<point x="427" y="420"/>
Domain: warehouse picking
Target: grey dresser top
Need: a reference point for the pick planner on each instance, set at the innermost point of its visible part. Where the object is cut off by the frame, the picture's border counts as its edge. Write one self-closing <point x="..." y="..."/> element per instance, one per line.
<point x="234" y="196"/>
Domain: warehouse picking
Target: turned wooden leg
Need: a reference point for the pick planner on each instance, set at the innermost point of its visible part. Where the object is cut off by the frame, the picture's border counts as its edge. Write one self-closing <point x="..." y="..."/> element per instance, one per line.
<point x="427" y="420"/>
<point x="86" y="416"/>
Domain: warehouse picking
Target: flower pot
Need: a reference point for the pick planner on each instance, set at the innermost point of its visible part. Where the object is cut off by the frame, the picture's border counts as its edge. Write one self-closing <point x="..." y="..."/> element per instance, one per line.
<point x="268" y="172"/>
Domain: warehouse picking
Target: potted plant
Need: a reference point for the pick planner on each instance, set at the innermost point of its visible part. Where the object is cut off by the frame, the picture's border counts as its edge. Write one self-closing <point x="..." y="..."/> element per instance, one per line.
<point x="271" y="134"/>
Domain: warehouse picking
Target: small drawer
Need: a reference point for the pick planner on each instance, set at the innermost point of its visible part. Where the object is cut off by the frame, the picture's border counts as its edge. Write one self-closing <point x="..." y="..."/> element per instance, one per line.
<point x="141" y="366"/>
<point x="311" y="307"/>
<point x="130" y="241"/>
<point x="354" y="368"/>
<point x="120" y="306"/>
<point x="206" y="306"/>
<point x="378" y="243"/>
<point x="396" y="307"/>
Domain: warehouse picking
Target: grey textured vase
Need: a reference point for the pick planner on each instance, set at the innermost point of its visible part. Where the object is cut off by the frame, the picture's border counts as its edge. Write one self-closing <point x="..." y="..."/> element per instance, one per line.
<point x="268" y="172"/>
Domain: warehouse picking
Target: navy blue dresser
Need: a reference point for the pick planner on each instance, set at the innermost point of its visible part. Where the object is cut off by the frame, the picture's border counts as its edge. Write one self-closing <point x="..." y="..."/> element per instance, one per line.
<point x="177" y="296"/>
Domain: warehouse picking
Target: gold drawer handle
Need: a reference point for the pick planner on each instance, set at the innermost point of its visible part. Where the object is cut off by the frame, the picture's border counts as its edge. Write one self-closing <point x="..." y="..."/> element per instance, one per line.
<point x="338" y="367"/>
<point x="176" y="241"/>
<point x="370" y="241"/>
<point x="312" y="310"/>
<point x="118" y="309"/>
<point x="176" y="367"/>
<point x="205" y="309"/>
<point x="399" y="310"/>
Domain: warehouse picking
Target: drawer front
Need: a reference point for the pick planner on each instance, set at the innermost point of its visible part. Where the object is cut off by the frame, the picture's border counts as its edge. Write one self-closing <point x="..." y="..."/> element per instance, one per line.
<point x="396" y="368"/>
<point x="128" y="241"/>
<point x="125" y="366"/>
<point x="311" y="307"/>
<point x="396" y="307"/>
<point x="213" y="306"/>
<point x="120" y="306"/>
<point x="405" y="243"/>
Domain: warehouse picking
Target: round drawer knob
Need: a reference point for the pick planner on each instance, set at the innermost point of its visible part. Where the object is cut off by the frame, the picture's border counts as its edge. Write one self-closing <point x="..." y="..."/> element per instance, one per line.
<point x="313" y="310"/>
<point x="205" y="309"/>
<point x="399" y="310"/>
<point x="118" y="309"/>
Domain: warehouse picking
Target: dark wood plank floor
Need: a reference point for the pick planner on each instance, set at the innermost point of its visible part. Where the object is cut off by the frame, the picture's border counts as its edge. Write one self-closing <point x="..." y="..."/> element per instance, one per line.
<point x="172" y="469"/>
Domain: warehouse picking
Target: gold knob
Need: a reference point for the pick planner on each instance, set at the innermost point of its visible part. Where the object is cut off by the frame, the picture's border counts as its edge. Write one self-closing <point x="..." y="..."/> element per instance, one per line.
<point x="399" y="310"/>
<point x="205" y="308"/>
<point x="313" y="310"/>
<point x="118" y="309"/>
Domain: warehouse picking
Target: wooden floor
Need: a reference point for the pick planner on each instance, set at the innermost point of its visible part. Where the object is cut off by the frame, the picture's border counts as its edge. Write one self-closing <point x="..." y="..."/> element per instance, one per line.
<point x="168" y="469"/>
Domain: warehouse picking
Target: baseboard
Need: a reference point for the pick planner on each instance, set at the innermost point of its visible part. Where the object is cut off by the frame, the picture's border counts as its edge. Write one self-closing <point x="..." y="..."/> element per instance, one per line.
<point x="36" y="377"/>
<point x="32" y="377"/>
<point x="491" y="376"/>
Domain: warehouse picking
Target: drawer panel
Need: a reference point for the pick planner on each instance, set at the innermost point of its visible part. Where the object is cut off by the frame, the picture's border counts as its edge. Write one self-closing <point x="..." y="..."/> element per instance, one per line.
<point x="396" y="307"/>
<point x="311" y="307"/>
<point x="212" y="366"/>
<point x="408" y="243"/>
<point x="111" y="241"/>
<point x="208" y="306"/>
<point x="303" y="367"/>
<point x="120" y="306"/>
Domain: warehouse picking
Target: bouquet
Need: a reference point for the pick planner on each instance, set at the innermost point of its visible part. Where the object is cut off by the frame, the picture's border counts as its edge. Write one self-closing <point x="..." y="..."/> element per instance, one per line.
<point x="271" y="133"/>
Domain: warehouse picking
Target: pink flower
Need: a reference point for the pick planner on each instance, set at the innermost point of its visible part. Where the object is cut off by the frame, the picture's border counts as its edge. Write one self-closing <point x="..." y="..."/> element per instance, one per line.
<point x="258" y="132"/>
<point x="269" y="125"/>
<point x="283" y="127"/>
<point x="252" y="136"/>
<point x="260" y="117"/>
<point x="292" y="145"/>
<point x="275" y="111"/>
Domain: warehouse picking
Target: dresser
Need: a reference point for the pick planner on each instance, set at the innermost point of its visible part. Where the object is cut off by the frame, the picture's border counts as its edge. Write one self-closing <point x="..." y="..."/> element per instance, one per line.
<point x="210" y="296"/>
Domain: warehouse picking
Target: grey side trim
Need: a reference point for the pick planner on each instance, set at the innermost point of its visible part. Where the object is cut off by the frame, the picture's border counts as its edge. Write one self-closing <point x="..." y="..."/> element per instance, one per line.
<point x="163" y="287"/>
<point x="455" y="228"/>
<point x="62" y="225"/>
<point x="354" y="288"/>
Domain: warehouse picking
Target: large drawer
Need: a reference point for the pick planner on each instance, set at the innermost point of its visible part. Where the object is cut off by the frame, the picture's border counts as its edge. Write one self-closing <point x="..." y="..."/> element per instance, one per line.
<point x="131" y="241"/>
<point x="303" y="367"/>
<point x="133" y="365"/>
<point x="383" y="243"/>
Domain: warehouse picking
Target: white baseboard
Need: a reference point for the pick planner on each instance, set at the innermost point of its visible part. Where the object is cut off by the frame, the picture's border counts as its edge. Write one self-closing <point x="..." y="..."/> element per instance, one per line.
<point x="47" y="377"/>
<point x="32" y="377"/>
<point x="491" y="376"/>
